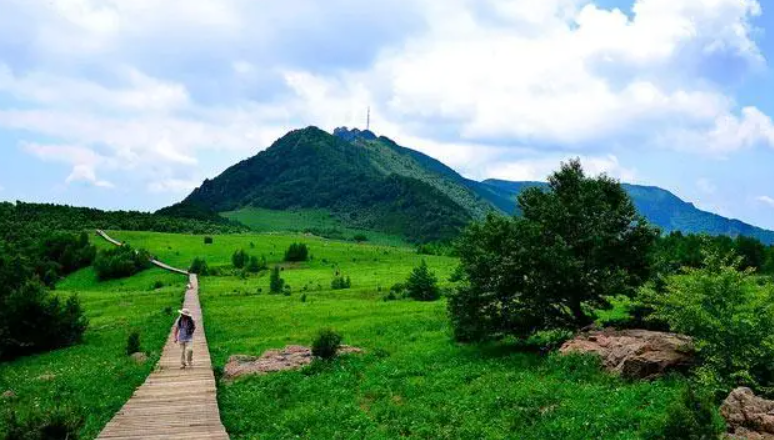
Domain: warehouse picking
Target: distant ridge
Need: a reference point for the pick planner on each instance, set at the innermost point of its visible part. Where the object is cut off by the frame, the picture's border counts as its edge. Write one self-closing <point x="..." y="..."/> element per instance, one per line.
<point x="369" y="181"/>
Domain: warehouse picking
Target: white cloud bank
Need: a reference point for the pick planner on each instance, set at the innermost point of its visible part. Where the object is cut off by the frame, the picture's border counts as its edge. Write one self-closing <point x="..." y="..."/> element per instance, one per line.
<point x="496" y="88"/>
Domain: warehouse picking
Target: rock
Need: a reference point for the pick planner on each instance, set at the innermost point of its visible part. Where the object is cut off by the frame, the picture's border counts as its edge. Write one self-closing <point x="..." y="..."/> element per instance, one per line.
<point x="139" y="357"/>
<point x="641" y="354"/>
<point x="291" y="357"/>
<point x="47" y="377"/>
<point x="9" y="394"/>
<point x="748" y="416"/>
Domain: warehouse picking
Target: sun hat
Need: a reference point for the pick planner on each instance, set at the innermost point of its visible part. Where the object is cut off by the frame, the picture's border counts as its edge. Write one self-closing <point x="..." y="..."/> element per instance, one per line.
<point x="185" y="312"/>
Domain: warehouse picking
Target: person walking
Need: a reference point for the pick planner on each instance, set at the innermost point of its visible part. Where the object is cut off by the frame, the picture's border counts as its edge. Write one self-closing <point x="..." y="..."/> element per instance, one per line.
<point x="184" y="330"/>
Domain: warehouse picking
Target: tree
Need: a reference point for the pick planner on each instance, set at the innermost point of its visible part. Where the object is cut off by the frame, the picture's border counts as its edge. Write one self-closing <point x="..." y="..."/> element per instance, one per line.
<point x="422" y="285"/>
<point x="276" y="283"/>
<point x="239" y="259"/>
<point x="297" y="252"/>
<point x="577" y="243"/>
<point x="752" y="251"/>
<point x="255" y="265"/>
<point x="729" y="316"/>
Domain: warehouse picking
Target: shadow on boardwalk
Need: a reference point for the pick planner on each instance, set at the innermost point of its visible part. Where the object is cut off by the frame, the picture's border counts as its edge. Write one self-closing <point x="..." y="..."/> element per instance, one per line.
<point x="173" y="403"/>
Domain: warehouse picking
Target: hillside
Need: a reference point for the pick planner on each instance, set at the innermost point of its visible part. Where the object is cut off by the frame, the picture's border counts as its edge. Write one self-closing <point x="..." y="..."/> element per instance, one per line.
<point x="370" y="182"/>
<point x="359" y="181"/>
<point x="664" y="209"/>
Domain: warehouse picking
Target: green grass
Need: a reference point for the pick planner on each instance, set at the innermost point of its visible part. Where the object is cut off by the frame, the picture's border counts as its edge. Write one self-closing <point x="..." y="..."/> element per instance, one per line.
<point x="96" y="378"/>
<point x="317" y="221"/>
<point x="413" y="381"/>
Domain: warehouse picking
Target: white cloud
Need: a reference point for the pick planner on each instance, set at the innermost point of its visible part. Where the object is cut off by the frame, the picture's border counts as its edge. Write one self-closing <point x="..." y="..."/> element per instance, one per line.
<point x="83" y="160"/>
<point x="540" y="169"/>
<point x="766" y="200"/>
<point x="706" y="186"/>
<point x="504" y="88"/>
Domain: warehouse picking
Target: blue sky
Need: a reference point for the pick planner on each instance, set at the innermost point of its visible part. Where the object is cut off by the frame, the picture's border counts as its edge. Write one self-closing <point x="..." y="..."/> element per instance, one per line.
<point x="129" y="104"/>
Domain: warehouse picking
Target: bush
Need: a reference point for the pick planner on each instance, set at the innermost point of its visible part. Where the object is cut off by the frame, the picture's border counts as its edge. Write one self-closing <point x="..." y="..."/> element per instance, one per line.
<point x="537" y="272"/>
<point x="121" y="262"/>
<point x="133" y="343"/>
<point x="199" y="267"/>
<point x="276" y="283"/>
<point x="360" y="238"/>
<point x="158" y="285"/>
<point x="730" y="318"/>
<point x="303" y="298"/>
<point x="69" y="252"/>
<point x="422" y="284"/>
<point x="59" y="423"/>
<point x="693" y="417"/>
<point x="208" y="240"/>
<point x="239" y="259"/>
<point x="326" y="344"/>
<point x="34" y="320"/>
<point x="255" y="265"/>
<point x="297" y="252"/>
<point x="341" y="282"/>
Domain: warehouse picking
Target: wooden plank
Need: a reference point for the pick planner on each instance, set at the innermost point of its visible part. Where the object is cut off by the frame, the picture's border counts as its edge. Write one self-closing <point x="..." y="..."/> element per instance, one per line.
<point x="173" y="403"/>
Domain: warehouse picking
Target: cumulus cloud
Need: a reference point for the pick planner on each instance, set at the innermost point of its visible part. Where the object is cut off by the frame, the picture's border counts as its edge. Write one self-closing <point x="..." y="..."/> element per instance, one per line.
<point x="766" y="200"/>
<point x="540" y="169"/>
<point x="496" y="88"/>
<point x="83" y="160"/>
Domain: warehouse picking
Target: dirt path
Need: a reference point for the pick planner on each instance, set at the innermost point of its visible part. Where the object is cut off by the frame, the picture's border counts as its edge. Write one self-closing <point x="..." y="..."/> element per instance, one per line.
<point x="173" y="403"/>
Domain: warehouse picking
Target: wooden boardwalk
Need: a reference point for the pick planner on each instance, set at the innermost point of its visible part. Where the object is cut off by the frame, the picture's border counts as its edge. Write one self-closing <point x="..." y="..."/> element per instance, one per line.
<point x="174" y="403"/>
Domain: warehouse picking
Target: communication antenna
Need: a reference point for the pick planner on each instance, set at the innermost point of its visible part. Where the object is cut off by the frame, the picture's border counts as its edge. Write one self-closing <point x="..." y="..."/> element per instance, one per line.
<point x="368" y="119"/>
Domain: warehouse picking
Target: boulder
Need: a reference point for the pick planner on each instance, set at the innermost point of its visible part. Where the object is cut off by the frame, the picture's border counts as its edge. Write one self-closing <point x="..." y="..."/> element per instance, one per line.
<point x="139" y="357"/>
<point x="291" y="357"/>
<point x="748" y="416"/>
<point x="639" y="354"/>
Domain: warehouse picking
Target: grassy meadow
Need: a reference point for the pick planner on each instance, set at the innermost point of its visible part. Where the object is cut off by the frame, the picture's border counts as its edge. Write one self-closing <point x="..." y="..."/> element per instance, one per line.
<point x="95" y="378"/>
<point x="412" y="381"/>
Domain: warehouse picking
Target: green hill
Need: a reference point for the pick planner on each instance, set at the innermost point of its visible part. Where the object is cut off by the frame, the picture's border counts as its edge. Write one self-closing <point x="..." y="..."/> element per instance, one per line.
<point x="365" y="181"/>
<point x="361" y="181"/>
<point x="664" y="209"/>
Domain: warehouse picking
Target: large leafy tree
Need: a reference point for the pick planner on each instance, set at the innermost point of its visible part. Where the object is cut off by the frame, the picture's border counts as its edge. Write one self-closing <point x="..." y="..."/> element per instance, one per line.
<point x="577" y="243"/>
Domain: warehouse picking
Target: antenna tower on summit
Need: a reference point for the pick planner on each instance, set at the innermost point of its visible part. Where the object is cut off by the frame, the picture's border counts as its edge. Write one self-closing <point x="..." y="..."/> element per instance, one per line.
<point x="368" y="119"/>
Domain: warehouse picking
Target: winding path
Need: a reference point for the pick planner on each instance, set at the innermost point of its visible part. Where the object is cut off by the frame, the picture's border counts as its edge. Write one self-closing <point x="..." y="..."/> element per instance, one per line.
<point x="173" y="403"/>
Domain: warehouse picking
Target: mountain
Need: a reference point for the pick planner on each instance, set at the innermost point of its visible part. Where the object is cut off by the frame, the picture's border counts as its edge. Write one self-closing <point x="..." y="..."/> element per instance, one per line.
<point x="358" y="177"/>
<point x="664" y="209"/>
<point x="370" y="182"/>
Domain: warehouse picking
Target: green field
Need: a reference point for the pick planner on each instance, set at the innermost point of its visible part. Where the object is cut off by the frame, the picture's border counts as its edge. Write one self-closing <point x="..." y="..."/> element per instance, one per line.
<point x="413" y="381"/>
<point x="317" y="221"/>
<point x="96" y="378"/>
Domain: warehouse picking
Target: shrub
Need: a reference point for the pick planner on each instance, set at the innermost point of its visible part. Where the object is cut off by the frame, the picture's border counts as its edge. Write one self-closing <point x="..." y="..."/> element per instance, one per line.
<point x="255" y="265"/>
<point x="239" y="259"/>
<point x="34" y="320"/>
<point x="133" y="343"/>
<point x="341" y="282"/>
<point x="158" y="285"/>
<point x="517" y="271"/>
<point x="60" y="423"/>
<point x="69" y="252"/>
<point x="167" y="311"/>
<point x="692" y="417"/>
<point x="208" y="240"/>
<point x="730" y="318"/>
<point x="199" y="267"/>
<point x="276" y="283"/>
<point x="297" y="252"/>
<point x="326" y="344"/>
<point x="121" y="262"/>
<point x="422" y="284"/>
<point x="303" y="298"/>
<point x="360" y="238"/>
